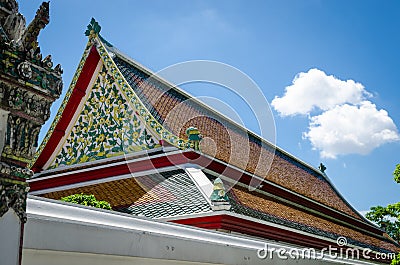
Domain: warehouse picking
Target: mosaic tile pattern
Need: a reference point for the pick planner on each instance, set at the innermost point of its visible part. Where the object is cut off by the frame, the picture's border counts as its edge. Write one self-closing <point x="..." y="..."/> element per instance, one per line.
<point x="106" y="127"/>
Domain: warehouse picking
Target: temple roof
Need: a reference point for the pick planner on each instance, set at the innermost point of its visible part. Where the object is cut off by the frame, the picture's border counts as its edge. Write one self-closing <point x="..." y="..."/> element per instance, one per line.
<point x="174" y="194"/>
<point x="156" y="195"/>
<point x="112" y="98"/>
<point x="176" y="110"/>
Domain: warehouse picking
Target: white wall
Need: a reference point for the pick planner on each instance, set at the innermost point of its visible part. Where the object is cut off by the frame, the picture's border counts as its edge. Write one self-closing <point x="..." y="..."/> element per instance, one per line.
<point x="44" y="257"/>
<point x="66" y="234"/>
<point x="10" y="231"/>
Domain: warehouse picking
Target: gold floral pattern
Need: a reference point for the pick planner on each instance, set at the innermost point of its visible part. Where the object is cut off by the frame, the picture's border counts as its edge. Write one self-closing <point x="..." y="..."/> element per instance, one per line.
<point x="136" y="103"/>
<point x="63" y="104"/>
<point x="107" y="126"/>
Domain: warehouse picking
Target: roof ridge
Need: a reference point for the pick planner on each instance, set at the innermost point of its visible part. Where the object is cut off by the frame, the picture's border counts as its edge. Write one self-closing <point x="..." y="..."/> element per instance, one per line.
<point x="116" y="52"/>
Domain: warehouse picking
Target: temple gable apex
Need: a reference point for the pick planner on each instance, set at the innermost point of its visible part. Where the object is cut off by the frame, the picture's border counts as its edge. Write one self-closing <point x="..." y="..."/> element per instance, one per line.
<point x="106" y="126"/>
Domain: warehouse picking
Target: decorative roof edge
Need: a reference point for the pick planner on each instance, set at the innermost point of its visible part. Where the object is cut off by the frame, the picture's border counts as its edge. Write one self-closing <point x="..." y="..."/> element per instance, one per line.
<point x="297" y="194"/>
<point x="63" y="104"/>
<point x="154" y="76"/>
<point x="99" y="42"/>
<point x="323" y="175"/>
<point x="249" y="218"/>
<point x="135" y="101"/>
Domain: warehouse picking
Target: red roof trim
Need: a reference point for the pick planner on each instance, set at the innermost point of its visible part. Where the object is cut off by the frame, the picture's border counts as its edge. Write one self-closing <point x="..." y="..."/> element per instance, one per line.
<point x="195" y="158"/>
<point x="248" y="227"/>
<point x="111" y="171"/>
<point x="244" y="226"/>
<point x="78" y="93"/>
<point x="278" y="191"/>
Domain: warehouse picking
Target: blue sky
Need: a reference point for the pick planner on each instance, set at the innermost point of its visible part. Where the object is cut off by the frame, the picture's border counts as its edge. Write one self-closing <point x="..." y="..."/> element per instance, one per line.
<point x="351" y="48"/>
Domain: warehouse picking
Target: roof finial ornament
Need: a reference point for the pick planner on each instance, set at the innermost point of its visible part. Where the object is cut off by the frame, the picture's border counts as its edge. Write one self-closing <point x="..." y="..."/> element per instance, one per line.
<point x="322" y="168"/>
<point x="219" y="198"/>
<point x="93" y="29"/>
<point x="194" y="137"/>
<point x="30" y="36"/>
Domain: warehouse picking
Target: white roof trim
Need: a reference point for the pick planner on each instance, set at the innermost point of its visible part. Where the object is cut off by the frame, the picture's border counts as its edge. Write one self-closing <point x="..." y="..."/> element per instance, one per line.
<point x="103" y="164"/>
<point x="63" y="227"/>
<point x="201" y="181"/>
<point x="107" y="179"/>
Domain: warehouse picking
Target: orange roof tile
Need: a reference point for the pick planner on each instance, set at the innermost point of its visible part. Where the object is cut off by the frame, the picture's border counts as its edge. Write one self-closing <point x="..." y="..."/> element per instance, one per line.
<point x="269" y="206"/>
<point x="229" y="143"/>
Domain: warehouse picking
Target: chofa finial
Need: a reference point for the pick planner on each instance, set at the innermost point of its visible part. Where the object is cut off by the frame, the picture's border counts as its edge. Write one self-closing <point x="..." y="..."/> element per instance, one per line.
<point x="93" y="29"/>
<point x="322" y="167"/>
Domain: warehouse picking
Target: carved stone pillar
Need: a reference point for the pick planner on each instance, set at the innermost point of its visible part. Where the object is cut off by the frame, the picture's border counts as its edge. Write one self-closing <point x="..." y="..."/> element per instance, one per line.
<point x="28" y="87"/>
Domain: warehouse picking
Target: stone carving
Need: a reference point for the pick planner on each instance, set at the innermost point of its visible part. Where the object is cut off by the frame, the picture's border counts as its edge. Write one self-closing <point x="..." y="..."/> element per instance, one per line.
<point x="28" y="86"/>
<point x="2" y="91"/>
<point x="20" y="99"/>
<point x="21" y="138"/>
<point x="3" y="128"/>
<point x="24" y="69"/>
<point x="47" y="63"/>
<point x="219" y="198"/>
<point x="29" y="38"/>
<point x="15" y="172"/>
<point x="14" y="26"/>
<point x="10" y="5"/>
<point x="58" y="70"/>
<point x="23" y="58"/>
<point x="13" y="195"/>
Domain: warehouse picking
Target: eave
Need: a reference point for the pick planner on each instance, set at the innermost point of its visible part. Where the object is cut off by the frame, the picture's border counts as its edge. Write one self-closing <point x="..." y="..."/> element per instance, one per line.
<point x="70" y="104"/>
<point x="86" y="235"/>
<point x="231" y="222"/>
<point x="123" y="169"/>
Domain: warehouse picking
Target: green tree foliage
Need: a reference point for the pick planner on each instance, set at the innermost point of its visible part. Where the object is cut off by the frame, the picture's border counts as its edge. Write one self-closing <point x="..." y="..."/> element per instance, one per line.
<point x="388" y="218"/>
<point x="396" y="173"/>
<point x="87" y="200"/>
<point x="396" y="260"/>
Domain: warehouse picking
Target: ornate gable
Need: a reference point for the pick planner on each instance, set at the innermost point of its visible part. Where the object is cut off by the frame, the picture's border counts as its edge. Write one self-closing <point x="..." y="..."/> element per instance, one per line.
<point x="101" y="115"/>
<point x="107" y="126"/>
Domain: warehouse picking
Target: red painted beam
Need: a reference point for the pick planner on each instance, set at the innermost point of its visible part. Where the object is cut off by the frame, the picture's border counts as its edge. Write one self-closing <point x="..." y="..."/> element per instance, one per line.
<point x="78" y="93"/>
<point x="244" y="226"/>
<point x="110" y="171"/>
<point x="245" y="178"/>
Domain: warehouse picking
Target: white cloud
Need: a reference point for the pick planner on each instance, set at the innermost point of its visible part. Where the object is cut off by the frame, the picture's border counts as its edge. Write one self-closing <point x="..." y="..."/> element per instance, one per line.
<point x="316" y="90"/>
<point x="351" y="129"/>
<point x="347" y="123"/>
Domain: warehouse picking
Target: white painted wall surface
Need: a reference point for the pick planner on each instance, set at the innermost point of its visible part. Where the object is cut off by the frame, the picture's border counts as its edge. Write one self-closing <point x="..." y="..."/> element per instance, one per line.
<point x="10" y="231"/>
<point x="41" y="257"/>
<point x="61" y="233"/>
